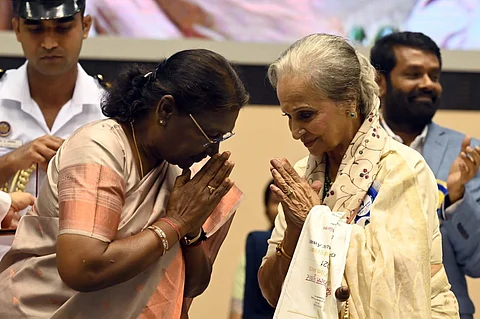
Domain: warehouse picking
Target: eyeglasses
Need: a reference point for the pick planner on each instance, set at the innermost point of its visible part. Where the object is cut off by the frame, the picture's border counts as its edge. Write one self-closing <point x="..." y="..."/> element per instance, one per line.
<point x="211" y="141"/>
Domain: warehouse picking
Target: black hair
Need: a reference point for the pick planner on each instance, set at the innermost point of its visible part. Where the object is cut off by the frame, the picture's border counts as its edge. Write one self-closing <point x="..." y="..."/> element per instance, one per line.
<point x="382" y="54"/>
<point x="199" y="80"/>
<point x="267" y="193"/>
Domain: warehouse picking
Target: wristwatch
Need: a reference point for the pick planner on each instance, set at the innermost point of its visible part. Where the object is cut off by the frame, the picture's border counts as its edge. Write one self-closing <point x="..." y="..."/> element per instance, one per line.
<point x="200" y="237"/>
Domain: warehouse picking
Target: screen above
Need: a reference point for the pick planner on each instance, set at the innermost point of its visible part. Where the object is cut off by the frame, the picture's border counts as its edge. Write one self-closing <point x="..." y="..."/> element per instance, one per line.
<point x="453" y="24"/>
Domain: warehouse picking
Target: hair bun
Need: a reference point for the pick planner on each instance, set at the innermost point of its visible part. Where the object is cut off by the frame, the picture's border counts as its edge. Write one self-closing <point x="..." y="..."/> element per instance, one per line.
<point x="139" y="81"/>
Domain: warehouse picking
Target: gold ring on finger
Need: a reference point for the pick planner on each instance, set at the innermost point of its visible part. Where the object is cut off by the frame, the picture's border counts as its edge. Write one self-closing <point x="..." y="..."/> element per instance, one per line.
<point x="211" y="189"/>
<point x="289" y="191"/>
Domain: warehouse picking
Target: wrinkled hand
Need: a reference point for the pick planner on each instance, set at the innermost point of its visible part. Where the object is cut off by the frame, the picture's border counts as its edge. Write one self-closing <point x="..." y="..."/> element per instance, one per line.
<point x="192" y="200"/>
<point x="20" y="201"/>
<point x="40" y="151"/>
<point x="296" y="195"/>
<point x="185" y="15"/>
<point x="463" y="169"/>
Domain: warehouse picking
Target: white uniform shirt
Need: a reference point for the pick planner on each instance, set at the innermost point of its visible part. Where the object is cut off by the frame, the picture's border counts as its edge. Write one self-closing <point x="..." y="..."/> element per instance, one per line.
<point x="417" y="143"/>
<point x="7" y="240"/>
<point x="5" y="203"/>
<point x="26" y="120"/>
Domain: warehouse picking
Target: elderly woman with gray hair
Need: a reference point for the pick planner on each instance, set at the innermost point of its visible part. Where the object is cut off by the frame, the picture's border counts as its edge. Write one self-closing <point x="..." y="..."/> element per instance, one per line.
<point x="381" y="190"/>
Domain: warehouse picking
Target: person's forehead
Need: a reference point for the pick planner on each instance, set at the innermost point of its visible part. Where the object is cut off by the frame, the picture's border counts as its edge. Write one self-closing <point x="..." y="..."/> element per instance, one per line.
<point x="295" y="93"/>
<point x="292" y="90"/>
<point x="407" y="56"/>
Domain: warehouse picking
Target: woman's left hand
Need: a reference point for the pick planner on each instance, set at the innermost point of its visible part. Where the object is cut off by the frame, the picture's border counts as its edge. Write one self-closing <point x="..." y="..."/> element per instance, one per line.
<point x="296" y="195"/>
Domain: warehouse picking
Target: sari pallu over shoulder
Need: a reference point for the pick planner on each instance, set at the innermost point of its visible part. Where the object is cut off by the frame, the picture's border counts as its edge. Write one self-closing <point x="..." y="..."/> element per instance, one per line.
<point x="32" y="286"/>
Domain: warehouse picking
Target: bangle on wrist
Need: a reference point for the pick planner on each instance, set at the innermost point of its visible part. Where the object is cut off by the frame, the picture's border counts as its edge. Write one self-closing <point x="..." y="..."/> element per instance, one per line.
<point x="281" y="251"/>
<point x="163" y="237"/>
<point x="169" y="222"/>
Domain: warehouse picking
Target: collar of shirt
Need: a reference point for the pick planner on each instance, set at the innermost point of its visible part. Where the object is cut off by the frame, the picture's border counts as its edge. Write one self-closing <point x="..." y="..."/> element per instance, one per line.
<point x="16" y="88"/>
<point x="417" y="143"/>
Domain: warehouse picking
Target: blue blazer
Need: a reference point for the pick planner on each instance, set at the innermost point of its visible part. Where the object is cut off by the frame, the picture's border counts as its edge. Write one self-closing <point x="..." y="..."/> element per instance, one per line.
<point x="254" y="305"/>
<point x="461" y="232"/>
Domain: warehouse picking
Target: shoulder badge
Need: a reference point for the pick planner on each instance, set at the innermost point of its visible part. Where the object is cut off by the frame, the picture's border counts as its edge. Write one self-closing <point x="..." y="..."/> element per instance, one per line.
<point x="101" y="80"/>
<point x="5" y="129"/>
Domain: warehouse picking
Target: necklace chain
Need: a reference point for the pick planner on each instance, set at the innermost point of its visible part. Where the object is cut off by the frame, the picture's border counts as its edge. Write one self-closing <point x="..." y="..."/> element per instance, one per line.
<point x="327" y="184"/>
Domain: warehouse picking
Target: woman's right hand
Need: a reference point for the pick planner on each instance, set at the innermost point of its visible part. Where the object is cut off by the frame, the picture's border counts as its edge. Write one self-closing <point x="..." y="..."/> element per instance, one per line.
<point x="193" y="200"/>
<point x="295" y="194"/>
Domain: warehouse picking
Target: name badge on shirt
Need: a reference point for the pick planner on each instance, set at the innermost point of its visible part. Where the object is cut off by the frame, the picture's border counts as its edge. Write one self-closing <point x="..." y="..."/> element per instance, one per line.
<point x="13" y="144"/>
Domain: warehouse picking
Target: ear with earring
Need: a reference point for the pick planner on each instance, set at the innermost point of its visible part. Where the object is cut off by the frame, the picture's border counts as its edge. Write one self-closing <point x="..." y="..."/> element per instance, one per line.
<point x="161" y="122"/>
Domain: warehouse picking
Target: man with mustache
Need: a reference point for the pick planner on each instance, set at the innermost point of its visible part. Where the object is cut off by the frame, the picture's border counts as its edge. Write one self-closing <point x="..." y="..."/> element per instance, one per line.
<point x="47" y="98"/>
<point x="409" y="67"/>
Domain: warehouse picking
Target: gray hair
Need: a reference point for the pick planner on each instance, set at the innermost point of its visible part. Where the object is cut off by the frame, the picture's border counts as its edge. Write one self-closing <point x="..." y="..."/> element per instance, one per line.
<point x="332" y="66"/>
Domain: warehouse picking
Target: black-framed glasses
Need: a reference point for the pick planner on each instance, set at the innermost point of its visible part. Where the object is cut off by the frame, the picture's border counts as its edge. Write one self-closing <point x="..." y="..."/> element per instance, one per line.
<point x="211" y="141"/>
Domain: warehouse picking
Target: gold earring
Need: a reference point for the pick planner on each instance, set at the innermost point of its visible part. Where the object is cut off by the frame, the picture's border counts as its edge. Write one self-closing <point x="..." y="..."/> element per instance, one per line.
<point x="161" y="122"/>
<point x="352" y="115"/>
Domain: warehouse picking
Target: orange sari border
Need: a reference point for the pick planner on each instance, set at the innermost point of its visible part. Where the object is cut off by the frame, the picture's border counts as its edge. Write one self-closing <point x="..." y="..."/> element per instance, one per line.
<point x="224" y="210"/>
<point x="91" y="198"/>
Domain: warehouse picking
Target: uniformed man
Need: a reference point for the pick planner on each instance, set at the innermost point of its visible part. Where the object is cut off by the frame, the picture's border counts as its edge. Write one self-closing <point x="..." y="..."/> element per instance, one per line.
<point x="50" y="96"/>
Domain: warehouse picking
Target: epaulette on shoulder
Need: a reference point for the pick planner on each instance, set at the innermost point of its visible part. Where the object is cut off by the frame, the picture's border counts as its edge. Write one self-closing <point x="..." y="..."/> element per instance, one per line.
<point x="102" y="82"/>
<point x="2" y="73"/>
